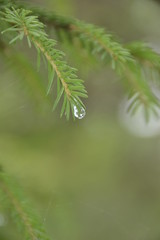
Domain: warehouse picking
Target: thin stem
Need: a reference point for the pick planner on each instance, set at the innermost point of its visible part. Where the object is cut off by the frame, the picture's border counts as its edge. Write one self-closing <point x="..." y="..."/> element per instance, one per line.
<point x="17" y="206"/>
<point x="50" y="59"/>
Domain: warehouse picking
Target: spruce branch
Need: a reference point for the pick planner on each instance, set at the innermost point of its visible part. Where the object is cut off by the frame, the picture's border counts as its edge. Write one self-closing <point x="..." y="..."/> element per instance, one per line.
<point x="92" y="37"/>
<point x="127" y="61"/>
<point x="24" y="217"/>
<point x="68" y="85"/>
<point x="125" y="64"/>
<point x="148" y="61"/>
<point x="140" y="94"/>
<point x="122" y="58"/>
<point x="101" y="42"/>
<point x="144" y="54"/>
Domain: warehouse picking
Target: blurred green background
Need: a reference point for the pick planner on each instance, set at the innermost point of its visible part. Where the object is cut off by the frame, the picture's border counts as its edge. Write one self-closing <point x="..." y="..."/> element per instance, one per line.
<point x="88" y="179"/>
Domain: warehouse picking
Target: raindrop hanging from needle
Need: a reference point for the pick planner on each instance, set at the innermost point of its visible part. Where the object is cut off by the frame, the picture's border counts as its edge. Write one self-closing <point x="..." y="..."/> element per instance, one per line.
<point x="79" y="112"/>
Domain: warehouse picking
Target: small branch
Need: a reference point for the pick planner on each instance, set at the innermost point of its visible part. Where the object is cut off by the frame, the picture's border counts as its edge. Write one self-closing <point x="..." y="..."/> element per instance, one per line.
<point x="68" y="84"/>
<point x="49" y="58"/>
<point x="18" y="208"/>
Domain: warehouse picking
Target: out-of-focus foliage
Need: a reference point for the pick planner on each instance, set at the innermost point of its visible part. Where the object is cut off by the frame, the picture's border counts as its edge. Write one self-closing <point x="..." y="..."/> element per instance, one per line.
<point x="21" y="213"/>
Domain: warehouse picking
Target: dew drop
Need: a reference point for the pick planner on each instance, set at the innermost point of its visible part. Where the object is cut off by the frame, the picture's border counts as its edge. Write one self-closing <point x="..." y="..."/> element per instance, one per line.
<point x="79" y="113"/>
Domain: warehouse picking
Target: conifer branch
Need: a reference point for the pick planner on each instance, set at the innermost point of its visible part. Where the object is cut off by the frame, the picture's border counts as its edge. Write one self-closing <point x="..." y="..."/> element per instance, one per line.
<point x="67" y="82"/>
<point x="102" y="42"/>
<point x="126" y="61"/>
<point x="91" y="37"/>
<point x="123" y="59"/>
<point x="31" y="227"/>
<point x="140" y="94"/>
<point x="144" y="54"/>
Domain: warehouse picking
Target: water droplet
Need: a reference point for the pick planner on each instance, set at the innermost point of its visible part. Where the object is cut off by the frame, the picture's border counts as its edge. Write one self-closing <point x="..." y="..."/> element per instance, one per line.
<point x="79" y="112"/>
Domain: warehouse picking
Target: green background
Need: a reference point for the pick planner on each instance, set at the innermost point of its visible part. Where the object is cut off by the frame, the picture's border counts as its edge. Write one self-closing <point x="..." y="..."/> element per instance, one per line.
<point x="88" y="179"/>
